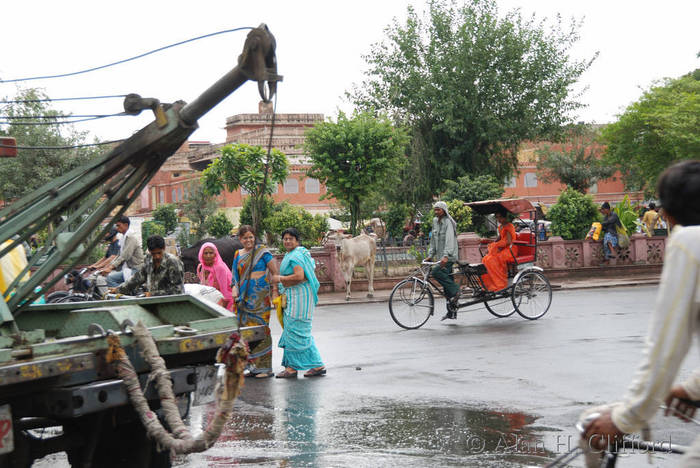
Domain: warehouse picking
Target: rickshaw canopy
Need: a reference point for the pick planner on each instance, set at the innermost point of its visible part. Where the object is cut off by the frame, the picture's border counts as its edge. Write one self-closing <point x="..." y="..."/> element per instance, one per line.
<point x="512" y="205"/>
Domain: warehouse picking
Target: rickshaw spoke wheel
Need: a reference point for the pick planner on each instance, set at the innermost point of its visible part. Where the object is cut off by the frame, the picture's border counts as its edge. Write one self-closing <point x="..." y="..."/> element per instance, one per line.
<point x="411" y="303"/>
<point x="532" y="295"/>
<point x="501" y="306"/>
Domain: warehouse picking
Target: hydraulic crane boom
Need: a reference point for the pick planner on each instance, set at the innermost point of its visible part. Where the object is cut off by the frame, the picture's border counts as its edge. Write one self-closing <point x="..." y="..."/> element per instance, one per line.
<point x="78" y="202"/>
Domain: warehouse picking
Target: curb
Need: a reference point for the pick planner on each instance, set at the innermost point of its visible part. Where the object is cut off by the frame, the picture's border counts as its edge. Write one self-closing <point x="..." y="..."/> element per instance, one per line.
<point x="383" y="295"/>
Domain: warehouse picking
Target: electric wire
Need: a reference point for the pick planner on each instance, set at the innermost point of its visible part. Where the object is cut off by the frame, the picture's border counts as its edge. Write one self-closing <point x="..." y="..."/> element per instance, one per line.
<point x="61" y="147"/>
<point x="80" y="98"/>
<point x="63" y="75"/>
<point x="94" y="117"/>
<point x="61" y="116"/>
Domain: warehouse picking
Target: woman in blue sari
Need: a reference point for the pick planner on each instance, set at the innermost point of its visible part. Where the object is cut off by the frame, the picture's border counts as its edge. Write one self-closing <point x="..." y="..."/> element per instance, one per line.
<point x="298" y="277"/>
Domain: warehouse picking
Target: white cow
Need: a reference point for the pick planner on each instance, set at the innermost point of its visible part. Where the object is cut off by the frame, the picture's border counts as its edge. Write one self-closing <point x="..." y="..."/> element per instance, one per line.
<point x="360" y="250"/>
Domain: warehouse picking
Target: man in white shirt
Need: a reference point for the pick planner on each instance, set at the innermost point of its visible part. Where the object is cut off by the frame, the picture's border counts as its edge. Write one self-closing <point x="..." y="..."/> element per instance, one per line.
<point x="676" y="318"/>
<point x="130" y="256"/>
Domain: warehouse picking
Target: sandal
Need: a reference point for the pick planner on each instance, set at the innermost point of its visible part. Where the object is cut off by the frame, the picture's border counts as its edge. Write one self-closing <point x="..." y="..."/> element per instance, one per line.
<point x="321" y="371"/>
<point x="285" y="374"/>
<point x="263" y="375"/>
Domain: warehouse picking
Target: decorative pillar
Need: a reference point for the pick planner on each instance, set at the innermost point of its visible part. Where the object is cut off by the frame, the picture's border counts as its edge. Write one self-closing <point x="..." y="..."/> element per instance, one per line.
<point x="587" y="252"/>
<point x="639" y="248"/>
<point x="468" y="244"/>
<point x="558" y="252"/>
<point x="334" y="267"/>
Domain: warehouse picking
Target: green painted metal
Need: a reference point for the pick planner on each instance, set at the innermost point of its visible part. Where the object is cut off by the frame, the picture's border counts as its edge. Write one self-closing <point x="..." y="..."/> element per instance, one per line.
<point x="109" y="318"/>
<point x="5" y="314"/>
<point x="5" y="354"/>
<point x="213" y="324"/>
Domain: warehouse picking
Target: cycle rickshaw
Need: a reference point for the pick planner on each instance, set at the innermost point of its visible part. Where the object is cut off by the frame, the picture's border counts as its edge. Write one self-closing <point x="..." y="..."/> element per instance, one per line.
<point x="412" y="301"/>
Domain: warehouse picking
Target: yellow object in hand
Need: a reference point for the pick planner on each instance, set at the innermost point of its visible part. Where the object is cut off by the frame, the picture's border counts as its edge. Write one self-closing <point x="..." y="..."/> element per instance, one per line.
<point x="277" y="302"/>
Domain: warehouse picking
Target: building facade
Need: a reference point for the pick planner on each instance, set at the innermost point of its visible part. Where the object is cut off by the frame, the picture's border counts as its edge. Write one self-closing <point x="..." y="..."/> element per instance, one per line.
<point x="176" y="179"/>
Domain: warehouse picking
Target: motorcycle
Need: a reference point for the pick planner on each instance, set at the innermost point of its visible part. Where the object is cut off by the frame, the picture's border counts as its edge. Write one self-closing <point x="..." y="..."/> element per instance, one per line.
<point x="80" y="288"/>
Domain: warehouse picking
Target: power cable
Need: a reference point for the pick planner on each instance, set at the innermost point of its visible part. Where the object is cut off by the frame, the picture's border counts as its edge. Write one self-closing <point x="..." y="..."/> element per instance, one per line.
<point x="61" y="147"/>
<point x="87" y="118"/>
<point x="61" y="116"/>
<point x="63" y="75"/>
<point x="20" y="101"/>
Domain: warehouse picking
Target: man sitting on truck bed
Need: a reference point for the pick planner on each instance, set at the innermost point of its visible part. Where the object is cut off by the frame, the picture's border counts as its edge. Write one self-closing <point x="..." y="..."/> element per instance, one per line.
<point x="130" y="257"/>
<point x="161" y="275"/>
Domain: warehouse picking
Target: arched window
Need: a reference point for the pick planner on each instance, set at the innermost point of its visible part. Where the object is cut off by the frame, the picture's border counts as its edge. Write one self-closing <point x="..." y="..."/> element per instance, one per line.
<point x="312" y="185"/>
<point x="291" y="186"/>
<point x="531" y="179"/>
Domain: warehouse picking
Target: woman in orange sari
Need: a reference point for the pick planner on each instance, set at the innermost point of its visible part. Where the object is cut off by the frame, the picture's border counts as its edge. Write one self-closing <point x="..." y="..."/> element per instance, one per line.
<point x="496" y="261"/>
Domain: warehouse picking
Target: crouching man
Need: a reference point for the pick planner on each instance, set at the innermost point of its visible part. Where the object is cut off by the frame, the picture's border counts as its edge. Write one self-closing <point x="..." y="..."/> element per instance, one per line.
<point x="161" y="275"/>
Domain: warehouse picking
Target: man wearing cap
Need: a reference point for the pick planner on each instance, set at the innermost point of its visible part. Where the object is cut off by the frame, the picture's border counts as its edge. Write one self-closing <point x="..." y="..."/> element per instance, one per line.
<point x="610" y="223"/>
<point x="112" y="252"/>
<point x="443" y="248"/>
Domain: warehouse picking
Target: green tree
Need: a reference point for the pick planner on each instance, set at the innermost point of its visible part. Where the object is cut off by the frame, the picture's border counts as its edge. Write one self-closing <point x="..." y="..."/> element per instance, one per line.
<point x="267" y="207"/>
<point x="462" y="215"/>
<point x="469" y="188"/>
<point x="311" y="228"/>
<point x="218" y="225"/>
<point x="576" y="163"/>
<point x="660" y="129"/>
<point x="248" y="167"/>
<point x="573" y="214"/>
<point x="33" y="168"/>
<point x="198" y="208"/>
<point x="395" y="218"/>
<point x="151" y="228"/>
<point x="167" y="216"/>
<point x="472" y="85"/>
<point x="353" y="157"/>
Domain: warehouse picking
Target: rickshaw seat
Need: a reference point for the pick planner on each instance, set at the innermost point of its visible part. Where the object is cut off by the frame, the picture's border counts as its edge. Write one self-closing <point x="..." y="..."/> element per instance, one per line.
<point x="525" y="247"/>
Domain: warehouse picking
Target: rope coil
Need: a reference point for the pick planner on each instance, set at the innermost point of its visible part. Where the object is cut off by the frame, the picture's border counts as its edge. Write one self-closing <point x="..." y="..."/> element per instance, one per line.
<point x="233" y="354"/>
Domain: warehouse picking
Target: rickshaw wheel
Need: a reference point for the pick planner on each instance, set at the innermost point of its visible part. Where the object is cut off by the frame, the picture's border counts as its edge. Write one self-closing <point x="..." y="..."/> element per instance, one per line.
<point x="411" y="303"/>
<point x="532" y="295"/>
<point x="501" y="306"/>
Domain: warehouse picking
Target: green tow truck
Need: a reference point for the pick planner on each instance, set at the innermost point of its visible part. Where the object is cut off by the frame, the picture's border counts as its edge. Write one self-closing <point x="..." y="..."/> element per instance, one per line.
<point x="58" y="392"/>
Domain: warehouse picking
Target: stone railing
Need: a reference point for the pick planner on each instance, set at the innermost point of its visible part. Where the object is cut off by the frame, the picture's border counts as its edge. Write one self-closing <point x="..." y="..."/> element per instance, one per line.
<point x="556" y="253"/>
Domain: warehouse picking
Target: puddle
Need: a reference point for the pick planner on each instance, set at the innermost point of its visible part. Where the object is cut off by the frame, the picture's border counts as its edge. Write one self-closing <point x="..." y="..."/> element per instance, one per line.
<point x="284" y="427"/>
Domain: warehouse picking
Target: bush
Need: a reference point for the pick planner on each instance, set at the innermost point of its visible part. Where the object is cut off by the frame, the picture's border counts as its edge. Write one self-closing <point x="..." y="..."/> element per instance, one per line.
<point x="311" y="228"/>
<point x="266" y="209"/>
<point x="573" y="214"/>
<point x="462" y="215"/>
<point x="395" y="218"/>
<point x="473" y="188"/>
<point x="219" y="225"/>
<point x="627" y="214"/>
<point x="167" y="216"/>
<point x="151" y="228"/>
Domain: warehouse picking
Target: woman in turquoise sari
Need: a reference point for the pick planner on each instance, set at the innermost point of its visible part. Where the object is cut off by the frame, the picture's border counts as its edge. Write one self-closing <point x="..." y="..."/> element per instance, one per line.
<point x="298" y="277"/>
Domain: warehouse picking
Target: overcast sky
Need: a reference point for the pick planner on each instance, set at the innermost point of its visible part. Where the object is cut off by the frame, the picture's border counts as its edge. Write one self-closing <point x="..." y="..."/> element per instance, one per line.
<point x="319" y="51"/>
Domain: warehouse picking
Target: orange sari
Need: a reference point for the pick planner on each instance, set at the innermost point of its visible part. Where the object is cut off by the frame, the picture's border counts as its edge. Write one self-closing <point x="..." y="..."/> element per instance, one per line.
<point x="496" y="261"/>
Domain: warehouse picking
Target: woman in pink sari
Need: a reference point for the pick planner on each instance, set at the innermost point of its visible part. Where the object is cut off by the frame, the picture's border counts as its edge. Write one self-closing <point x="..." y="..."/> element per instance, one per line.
<point x="212" y="271"/>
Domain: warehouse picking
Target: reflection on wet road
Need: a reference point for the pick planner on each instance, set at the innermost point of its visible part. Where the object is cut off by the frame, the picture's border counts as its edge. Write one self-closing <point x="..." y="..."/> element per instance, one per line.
<point x="289" y="424"/>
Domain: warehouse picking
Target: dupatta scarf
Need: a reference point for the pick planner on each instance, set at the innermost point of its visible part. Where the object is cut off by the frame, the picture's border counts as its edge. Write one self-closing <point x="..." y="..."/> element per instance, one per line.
<point x="302" y="257"/>
<point x="218" y="270"/>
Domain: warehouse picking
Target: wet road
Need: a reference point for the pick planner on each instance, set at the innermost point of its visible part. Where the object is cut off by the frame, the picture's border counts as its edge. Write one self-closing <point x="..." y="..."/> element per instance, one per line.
<point x="478" y="391"/>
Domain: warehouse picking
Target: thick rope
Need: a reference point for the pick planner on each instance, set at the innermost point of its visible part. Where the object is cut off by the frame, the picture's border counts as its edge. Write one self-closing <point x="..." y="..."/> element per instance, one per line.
<point x="233" y="354"/>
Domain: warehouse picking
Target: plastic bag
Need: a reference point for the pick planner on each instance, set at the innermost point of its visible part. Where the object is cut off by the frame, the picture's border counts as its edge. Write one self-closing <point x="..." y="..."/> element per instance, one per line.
<point x="207" y="293"/>
<point x="594" y="233"/>
<point x="623" y="239"/>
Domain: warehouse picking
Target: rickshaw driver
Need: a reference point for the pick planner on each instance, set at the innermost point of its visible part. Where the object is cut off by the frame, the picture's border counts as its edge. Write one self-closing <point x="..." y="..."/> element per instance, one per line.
<point x="443" y="245"/>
